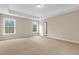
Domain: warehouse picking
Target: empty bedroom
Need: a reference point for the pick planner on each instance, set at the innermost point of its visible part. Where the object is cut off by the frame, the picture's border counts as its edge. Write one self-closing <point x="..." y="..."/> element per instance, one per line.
<point x="39" y="29"/>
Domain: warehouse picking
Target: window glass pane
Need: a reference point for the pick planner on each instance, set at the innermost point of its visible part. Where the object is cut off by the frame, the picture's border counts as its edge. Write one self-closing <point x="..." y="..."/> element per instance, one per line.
<point x="9" y="25"/>
<point x="9" y="22"/>
<point x="34" y="27"/>
<point x="6" y="23"/>
<point x="11" y="29"/>
<point x="6" y="29"/>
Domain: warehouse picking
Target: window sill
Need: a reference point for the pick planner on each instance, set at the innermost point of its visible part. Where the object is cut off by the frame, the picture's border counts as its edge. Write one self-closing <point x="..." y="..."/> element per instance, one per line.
<point x="9" y="34"/>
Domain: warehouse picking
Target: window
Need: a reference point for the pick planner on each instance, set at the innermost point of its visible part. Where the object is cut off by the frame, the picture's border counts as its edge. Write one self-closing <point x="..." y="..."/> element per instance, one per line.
<point x="35" y="26"/>
<point x="9" y="26"/>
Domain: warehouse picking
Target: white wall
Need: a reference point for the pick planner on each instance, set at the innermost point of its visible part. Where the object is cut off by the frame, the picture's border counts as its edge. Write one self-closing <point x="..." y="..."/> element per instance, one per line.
<point x="64" y="27"/>
<point x="41" y="28"/>
<point x="23" y="28"/>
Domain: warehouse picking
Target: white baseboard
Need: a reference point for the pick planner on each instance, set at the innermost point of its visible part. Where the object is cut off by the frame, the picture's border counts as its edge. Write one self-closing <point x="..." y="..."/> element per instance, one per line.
<point x="58" y="38"/>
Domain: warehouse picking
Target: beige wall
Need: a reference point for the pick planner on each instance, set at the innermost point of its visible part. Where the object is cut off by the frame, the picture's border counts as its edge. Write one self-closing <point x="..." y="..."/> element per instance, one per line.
<point x="23" y="27"/>
<point x="64" y="27"/>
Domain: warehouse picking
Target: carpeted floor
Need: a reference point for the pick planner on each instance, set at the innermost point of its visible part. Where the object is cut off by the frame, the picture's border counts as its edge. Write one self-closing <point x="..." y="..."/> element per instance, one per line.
<point x="37" y="45"/>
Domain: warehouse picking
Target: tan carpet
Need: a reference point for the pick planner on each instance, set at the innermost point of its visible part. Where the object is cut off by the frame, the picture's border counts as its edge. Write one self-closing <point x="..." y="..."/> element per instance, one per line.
<point x="38" y="46"/>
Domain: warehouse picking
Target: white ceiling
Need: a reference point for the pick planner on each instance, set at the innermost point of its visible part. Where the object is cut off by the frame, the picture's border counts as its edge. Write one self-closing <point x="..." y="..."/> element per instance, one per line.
<point x="32" y="12"/>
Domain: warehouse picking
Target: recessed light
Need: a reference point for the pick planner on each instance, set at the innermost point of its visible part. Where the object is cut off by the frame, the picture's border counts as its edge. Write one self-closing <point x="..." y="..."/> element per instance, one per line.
<point x="39" y="5"/>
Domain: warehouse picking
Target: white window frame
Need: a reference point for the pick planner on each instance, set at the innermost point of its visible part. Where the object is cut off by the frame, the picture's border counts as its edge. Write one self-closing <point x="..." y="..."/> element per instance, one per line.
<point x="4" y="33"/>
